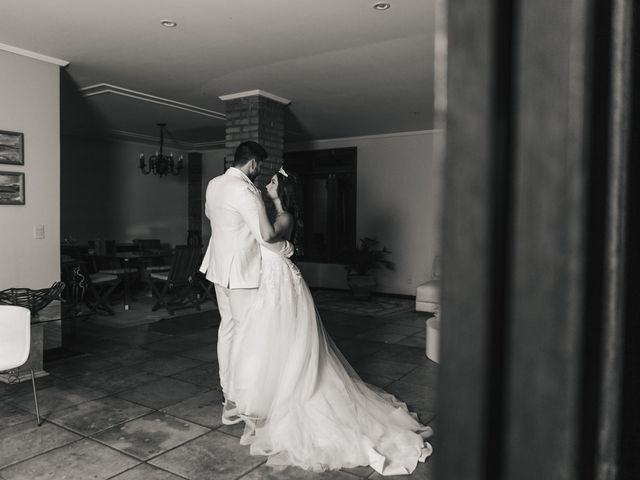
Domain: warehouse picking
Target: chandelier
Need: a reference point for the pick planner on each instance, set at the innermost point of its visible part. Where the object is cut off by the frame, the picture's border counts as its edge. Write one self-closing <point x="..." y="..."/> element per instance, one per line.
<point x="161" y="164"/>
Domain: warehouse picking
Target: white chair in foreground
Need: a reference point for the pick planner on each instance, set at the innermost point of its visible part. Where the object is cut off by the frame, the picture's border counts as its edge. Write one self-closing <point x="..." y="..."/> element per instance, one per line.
<point x="428" y="300"/>
<point x="15" y="342"/>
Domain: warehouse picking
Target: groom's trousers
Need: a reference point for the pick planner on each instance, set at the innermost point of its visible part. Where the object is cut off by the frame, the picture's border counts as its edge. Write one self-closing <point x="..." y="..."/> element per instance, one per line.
<point x="233" y="304"/>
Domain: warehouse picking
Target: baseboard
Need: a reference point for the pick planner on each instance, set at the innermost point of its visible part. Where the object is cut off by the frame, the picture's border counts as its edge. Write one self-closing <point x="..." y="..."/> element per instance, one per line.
<point x="379" y="294"/>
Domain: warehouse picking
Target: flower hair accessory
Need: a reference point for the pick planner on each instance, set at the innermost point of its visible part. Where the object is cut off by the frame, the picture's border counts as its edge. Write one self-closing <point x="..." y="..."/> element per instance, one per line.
<point x="283" y="172"/>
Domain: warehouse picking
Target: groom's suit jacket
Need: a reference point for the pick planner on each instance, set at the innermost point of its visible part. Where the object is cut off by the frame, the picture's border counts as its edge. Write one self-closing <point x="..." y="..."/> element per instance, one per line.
<point x="233" y="258"/>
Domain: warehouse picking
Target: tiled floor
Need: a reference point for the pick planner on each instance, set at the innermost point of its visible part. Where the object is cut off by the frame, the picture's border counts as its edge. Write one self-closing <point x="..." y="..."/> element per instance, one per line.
<point x="143" y="402"/>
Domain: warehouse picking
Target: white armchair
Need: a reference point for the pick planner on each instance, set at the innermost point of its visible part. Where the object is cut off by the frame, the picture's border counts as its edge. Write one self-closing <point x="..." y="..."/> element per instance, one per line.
<point x="428" y="300"/>
<point x="428" y="294"/>
<point x="15" y="342"/>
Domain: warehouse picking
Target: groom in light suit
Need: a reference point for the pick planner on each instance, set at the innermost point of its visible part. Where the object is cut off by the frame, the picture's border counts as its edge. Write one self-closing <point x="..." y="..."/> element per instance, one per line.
<point x="233" y="260"/>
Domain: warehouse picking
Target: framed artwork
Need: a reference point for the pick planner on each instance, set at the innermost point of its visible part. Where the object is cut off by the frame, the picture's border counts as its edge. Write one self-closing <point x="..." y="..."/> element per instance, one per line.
<point x="11" y="188"/>
<point x="11" y="148"/>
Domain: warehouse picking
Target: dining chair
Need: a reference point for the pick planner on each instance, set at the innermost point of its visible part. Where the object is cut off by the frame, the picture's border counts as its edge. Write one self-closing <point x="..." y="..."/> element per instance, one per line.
<point x="206" y="289"/>
<point x="174" y="288"/>
<point x="96" y="287"/>
<point x="15" y="343"/>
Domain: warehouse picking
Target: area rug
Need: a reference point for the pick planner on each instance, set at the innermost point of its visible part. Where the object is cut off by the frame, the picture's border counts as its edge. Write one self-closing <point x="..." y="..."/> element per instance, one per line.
<point x="140" y="313"/>
<point x="378" y="306"/>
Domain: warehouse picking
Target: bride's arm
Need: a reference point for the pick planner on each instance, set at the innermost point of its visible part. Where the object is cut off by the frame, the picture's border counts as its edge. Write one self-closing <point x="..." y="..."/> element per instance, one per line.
<point x="252" y="209"/>
<point x="279" y="230"/>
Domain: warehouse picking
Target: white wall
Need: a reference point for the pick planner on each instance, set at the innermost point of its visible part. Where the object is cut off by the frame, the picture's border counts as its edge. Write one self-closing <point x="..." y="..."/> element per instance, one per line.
<point x="104" y="194"/>
<point x="397" y="202"/>
<point x="29" y="95"/>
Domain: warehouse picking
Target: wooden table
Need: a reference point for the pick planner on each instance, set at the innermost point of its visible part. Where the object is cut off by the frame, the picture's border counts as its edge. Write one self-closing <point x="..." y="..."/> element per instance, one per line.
<point x="131" y="263"/>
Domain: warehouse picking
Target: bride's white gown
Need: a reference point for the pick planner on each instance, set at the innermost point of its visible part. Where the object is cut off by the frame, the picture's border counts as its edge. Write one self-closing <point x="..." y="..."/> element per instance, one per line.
<point x="301" y="401"/>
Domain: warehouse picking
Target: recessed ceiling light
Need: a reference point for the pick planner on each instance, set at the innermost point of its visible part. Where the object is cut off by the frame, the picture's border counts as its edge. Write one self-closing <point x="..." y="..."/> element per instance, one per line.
<point x="168" y="23"/>
<point x="382" y="6"/>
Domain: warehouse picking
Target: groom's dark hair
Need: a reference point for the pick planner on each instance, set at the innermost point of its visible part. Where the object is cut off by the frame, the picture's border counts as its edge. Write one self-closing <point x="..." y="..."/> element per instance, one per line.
<point x="248" y="150"/>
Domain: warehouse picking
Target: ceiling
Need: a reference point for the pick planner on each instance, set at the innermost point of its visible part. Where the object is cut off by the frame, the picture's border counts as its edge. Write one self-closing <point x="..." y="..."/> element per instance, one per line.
<point x="348" y="69"/>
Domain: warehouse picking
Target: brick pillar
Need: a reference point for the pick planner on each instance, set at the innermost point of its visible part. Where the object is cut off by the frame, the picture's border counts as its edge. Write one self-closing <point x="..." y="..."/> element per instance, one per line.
<point x="259" y="116"/>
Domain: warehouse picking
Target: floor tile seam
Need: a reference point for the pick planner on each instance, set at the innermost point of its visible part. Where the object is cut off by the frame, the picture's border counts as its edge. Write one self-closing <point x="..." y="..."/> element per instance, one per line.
<point x="120" y="334"/>
<point x="207" y="345"/>
<point x="409" y="373"/>
<point x="173" y="339"/>
<point x="219" y="389"/>
<point x="151" y="465"/>
<point x="172" y="374"/>
<point x="29" y="388"/>
<point x="123" y="472"/>
<point x="363" y="370"/>
<point x="404" y="337"/>
<point x="174" y="352"/>
<point x="185" y="420"/>
<point x="19" y="407"/>
<point x="137" y="385"/>
<point x="63" y="361"/>
<point x="193" y="421"/>
<point x="114" y="449"/>
<point x="391" y="360"/>
<point x="77" y="358"/>
<point x="74" y="377"/>
<point x="349" y="473"/>
<point x="206" y="389"/>
<point x="183" y="370"/>
<point x="43" y="414"/>
<point x="159" y="409"/>
<point x="5" y="467"/>
<point x="227" y="433"/>
<point x="100" y="431"/>
<point x="153" y="457"/>
<point x="341" y="470"/>
<point x="21" y="422"/>
<point x="217" y="366"/>
<point x="192" y="358"/>
<point x="255" y="467"/>
<point x="134" y="364"/>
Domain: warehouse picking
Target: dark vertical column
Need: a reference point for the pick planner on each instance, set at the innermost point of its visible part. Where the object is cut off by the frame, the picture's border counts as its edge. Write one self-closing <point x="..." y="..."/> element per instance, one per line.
<point x="629" y="434"/>
<point x="475" y="250"/>
<point x="195" y="203"/>
<point x="607" y="454"/>
<point x="547" y="314"/>
<point x="538" y="220"/>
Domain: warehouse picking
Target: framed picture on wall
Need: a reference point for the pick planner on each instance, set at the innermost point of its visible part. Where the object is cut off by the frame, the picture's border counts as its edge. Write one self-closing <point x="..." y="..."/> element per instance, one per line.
<point x="11" y="188"/>
<point x="11" y="148"/>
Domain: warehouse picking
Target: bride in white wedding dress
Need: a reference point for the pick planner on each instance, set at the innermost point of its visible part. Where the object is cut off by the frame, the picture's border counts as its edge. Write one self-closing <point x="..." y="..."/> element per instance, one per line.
<point x="301" y="401"/>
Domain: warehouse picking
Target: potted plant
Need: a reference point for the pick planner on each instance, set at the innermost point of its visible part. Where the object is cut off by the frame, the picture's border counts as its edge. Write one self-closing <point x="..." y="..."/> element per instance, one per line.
<point x="361" y="261"/>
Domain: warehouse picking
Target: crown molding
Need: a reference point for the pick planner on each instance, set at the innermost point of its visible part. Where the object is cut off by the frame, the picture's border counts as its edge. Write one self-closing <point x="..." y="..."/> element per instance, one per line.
<point x="213" y="144"/>
<point x="153" y="140"/>
<point x="105" y="88"/>
<point x="251" y="93"/>
<point x="34" y="55"/>
<point x="295" y="145"/>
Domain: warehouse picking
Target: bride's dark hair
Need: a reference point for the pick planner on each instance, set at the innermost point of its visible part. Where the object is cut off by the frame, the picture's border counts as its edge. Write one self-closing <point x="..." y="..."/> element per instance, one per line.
<point x="288" y="196"/>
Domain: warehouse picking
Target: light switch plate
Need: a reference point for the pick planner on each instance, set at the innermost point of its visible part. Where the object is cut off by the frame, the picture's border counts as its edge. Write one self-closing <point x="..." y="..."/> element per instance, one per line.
<point x="39" y="232"/>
